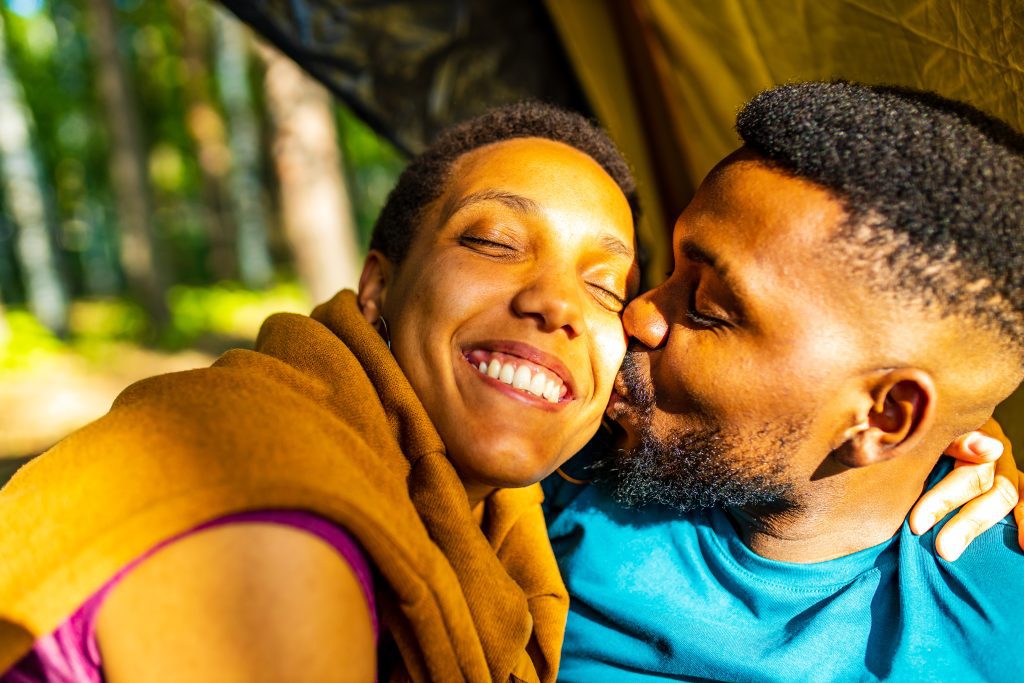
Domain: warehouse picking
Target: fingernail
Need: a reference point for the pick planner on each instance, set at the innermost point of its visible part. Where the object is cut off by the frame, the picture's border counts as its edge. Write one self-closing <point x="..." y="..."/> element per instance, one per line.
<point x="983" y="446"/>
<point x="920" y="522"/>
<point x="952" y="549"/>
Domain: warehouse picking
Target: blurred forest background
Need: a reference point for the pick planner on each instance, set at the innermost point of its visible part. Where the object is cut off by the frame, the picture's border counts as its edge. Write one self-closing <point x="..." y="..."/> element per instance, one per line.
<point x="166" y="181"/>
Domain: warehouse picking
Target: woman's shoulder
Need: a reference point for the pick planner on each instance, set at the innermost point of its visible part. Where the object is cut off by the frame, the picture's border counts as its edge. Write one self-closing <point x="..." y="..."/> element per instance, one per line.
<point x="284" y="594"/>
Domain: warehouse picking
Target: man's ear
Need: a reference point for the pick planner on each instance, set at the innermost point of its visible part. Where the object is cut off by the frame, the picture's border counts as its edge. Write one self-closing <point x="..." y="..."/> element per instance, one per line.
<point x="373" y="285"/>
<point x="900" y="412"/>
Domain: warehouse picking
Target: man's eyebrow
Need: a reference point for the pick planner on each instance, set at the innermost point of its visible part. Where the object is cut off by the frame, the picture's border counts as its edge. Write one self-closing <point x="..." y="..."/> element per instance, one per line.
<point x="516" y="202"/>
<point x="697" y="254"/>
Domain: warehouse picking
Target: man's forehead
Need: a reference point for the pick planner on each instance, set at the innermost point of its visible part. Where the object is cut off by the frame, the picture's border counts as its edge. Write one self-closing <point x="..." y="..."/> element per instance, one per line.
<point x="770" y="197"/>
<point x="748" y="209"/>
<point x="768" y="236"/>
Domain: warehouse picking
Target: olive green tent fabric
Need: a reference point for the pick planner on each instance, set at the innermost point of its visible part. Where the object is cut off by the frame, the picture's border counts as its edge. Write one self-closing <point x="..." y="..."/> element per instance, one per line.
<point x="666" y="77"/>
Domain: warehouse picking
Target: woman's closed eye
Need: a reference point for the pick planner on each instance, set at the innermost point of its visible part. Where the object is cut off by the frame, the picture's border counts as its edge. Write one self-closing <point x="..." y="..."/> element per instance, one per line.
<point x="494" y="246"/>
<point x="607" y="297"/>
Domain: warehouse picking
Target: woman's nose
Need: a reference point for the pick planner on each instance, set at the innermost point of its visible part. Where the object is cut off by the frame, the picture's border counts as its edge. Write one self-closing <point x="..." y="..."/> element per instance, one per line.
<point x="645" y="322"/>
<point x="553" y="301"/>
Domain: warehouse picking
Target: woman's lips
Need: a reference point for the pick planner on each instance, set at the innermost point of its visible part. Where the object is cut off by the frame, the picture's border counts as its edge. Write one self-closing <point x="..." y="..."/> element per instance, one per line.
<point x="522" y="369"/>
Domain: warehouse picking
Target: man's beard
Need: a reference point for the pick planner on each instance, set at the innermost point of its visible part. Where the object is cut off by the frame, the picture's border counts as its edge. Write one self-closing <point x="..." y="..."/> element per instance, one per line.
<point x="698" y="468"/>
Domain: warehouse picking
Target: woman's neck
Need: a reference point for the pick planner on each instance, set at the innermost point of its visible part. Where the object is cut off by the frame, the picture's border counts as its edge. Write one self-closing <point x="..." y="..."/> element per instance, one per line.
<point x="477" y="492"/>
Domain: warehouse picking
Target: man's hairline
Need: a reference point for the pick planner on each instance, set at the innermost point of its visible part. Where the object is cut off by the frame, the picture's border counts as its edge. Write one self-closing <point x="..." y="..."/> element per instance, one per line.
<point x="843" y="233"/>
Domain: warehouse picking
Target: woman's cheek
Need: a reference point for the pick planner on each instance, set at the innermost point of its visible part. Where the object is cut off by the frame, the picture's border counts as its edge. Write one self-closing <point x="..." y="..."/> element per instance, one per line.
<point x="609" y="347"/>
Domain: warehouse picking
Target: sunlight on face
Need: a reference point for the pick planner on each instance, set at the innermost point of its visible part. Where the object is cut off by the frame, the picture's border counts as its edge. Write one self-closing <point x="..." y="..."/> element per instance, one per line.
<point x="754" y="337"/>
<point x="505" y="315"/>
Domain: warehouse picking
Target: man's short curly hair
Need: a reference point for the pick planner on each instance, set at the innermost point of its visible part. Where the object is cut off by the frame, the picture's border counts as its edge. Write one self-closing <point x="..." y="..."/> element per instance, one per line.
<point x="426" y="176"/>
<point x="934" y="189"/>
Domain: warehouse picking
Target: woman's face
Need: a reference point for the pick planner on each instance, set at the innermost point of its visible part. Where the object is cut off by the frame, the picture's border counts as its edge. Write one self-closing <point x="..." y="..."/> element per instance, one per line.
<point x="505" y="315"/>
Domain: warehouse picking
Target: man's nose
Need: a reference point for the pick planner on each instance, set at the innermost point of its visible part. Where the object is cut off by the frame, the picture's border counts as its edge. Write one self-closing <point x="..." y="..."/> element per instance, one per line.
<point x="644" y="321"/>
<point x="553" y="301"/>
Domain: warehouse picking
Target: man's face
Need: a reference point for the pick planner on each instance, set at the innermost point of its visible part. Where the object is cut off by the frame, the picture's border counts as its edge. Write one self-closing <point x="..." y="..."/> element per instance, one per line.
<point x="733" y="392"/>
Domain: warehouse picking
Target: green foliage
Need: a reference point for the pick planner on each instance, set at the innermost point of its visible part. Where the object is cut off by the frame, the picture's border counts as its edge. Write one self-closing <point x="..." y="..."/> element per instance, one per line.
<point x="25" y="341"/>
<point x="227" y="310"/>
<point x="49" y="51"/>
<point x="373" y="166"/>
<point x="108" y="319"/>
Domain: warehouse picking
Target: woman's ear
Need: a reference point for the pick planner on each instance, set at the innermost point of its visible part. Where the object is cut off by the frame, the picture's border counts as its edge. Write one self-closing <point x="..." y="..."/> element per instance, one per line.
<point x="373" y="285"/>
<point x="900" y="412"/>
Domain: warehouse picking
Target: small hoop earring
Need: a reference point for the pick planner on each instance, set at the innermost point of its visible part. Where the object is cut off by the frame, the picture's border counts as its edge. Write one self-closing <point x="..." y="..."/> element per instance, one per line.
<point x="386" y="334"/>
<point x="570" y="479"/>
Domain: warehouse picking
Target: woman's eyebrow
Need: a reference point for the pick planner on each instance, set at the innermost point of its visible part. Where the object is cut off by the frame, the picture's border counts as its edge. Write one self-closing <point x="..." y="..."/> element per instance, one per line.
<point x="516" y="202"/>
<point x="616" y="246"/>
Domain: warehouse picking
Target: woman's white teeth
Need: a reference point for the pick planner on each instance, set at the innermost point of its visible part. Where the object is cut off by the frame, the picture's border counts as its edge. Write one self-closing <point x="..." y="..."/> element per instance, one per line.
<point x="521" y="380"/>
<point x="508" y="371"/>
<point x="537" y="383"/>
<point x="551" y="391"/>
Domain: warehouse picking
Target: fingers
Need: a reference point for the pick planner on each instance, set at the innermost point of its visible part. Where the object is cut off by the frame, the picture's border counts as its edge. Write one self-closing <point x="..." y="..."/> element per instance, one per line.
<point x="993" y="429"/>
<point x="966" y="482"/>
<point x="981" y="513"/>
<point x="977" y="447"/>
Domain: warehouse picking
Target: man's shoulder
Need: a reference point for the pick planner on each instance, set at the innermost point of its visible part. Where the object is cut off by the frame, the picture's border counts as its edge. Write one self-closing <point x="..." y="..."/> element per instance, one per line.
<point x="952" y="607"/>
<point x="998" y="546"/>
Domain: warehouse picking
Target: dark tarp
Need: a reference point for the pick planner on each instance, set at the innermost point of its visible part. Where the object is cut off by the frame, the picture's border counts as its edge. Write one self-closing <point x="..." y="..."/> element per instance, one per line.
<point x="411" y="68"/>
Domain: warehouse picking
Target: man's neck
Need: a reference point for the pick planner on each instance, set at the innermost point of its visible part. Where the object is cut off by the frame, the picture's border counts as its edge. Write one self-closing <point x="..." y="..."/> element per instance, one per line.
<point x="837" y="516"/>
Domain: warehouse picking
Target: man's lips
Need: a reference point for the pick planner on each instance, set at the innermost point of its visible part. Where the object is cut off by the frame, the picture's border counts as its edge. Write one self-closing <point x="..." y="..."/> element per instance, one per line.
<point x="621" y="401"/>
<point x="523" y="368"/>
<point x="619" y="389"/>
<point x="616" y="405"/>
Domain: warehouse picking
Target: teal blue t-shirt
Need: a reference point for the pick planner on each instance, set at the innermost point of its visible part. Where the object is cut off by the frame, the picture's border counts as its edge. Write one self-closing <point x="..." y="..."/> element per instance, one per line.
<point x="659" y="595"/>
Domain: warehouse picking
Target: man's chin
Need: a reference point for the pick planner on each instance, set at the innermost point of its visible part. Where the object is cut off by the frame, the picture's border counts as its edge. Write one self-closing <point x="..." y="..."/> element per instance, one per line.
<point x="697" y="468"/>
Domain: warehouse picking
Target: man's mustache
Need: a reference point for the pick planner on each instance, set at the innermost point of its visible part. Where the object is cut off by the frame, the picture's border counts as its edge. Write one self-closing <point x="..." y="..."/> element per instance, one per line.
<point x="632" y="376"/>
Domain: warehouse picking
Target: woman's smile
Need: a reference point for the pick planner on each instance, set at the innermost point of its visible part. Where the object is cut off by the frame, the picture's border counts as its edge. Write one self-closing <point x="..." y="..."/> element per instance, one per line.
<point x="523" y="372"/>
<point x="505" y="313"/>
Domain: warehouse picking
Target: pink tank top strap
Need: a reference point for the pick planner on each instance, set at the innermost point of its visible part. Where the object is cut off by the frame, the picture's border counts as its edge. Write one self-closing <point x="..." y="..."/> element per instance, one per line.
<point x="70" y="654"/>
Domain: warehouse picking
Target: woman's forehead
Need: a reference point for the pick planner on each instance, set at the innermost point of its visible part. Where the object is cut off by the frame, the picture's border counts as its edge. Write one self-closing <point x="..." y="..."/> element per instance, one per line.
<point x="538" y="174"/>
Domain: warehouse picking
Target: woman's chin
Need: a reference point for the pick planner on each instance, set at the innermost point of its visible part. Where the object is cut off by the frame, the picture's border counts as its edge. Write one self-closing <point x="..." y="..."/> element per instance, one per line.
<point x="507" y="472"/>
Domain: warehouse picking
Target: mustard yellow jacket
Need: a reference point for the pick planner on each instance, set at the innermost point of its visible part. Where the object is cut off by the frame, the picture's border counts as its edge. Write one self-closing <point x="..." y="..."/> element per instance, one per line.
<point x="319" y="417"/>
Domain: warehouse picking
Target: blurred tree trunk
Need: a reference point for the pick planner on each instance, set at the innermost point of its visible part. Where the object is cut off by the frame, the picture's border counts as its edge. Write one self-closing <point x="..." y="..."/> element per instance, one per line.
<point x="5" y="330"/>
<point x="26" y="201"/>
<point x="206" y="128"/>
<point x="99" y="258"/>
<point x="315" y="205"/>
<point x="248" y="199"/>
<point x="140" y="257"/>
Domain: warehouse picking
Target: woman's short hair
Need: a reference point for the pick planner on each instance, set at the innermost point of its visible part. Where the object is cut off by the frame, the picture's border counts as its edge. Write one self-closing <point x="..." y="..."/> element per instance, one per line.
<point x="426" y="176"/>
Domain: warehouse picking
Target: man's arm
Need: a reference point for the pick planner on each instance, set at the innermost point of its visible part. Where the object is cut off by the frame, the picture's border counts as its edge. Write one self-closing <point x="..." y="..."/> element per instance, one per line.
<point x="239" y="602"/>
